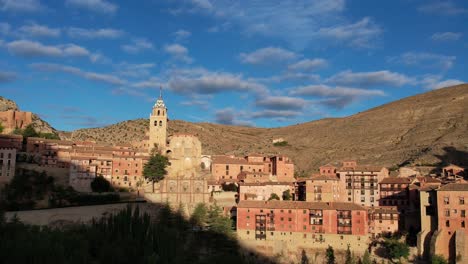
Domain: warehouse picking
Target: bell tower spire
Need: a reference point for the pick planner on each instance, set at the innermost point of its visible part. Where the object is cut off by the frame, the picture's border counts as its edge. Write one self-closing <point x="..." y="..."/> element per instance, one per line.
<point x="158" y="125"/>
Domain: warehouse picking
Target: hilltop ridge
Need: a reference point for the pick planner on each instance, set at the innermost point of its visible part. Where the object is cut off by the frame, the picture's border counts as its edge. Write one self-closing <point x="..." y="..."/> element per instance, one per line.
<point x="425" y="129"/>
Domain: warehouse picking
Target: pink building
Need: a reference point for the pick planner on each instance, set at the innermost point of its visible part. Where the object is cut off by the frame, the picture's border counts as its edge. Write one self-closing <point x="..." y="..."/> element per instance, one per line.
<point x="383" y="220"/>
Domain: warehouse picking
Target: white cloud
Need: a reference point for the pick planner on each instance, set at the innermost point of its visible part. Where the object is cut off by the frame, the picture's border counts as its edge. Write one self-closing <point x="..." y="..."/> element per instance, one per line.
<point x="299" y="22"/>
<point x="204" y="4"/>
<point x="6" y="76"/>
<point x="433" y="82"/>
<point x="361" y="34"/>
<point x="229" y="116"/>
<point x="102" y="33"/>
<point x="425" y="60"/>
<point x="179" y="52"/>
<point x="32" y="49"/>
<point x="201" y="81"/>
<point x="268" y="55"/>
<point x="327" y="91"/>
<point x="21" y="6"/>
<point x="445" y="7"/>
<point x="182" y="34"/>
<point x="134" y="70"/>
<point x="35" y="30"/>
<point x="308" y="65"/>
<point x="281" y="103"/>
<point x="275" y="114"/>
<point x="446" y="36"/>
<point x="92" y="76"/>
<point x="369" y="79"/>
<point x="99" y="6"/>
<point x="150" y="83"/>
<point x="138" y="45"/>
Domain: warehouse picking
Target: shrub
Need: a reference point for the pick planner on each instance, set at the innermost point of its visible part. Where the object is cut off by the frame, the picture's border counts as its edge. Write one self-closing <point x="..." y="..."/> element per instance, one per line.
<point x="100" y="184"/>
<point x="280" y="144"/>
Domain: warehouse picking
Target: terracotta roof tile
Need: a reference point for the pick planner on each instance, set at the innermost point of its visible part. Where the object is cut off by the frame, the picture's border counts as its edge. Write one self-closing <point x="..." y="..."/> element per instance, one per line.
<point x="454" y="187"/>
<point x="299" y="205"/>
<point x="395" y="180"/>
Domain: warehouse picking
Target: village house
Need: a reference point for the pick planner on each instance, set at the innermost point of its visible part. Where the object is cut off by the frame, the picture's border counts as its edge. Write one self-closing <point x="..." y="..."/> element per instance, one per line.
<point x="303" y="224"/>
<point x="7" y="161"/>
<point x="444" y="222"/>
<point x="361" y="182"/>
<point x="252" y="168"/>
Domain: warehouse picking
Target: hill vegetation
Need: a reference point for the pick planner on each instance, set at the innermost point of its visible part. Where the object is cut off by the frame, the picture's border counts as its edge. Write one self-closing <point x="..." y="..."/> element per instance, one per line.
<point x="426" y="129"/>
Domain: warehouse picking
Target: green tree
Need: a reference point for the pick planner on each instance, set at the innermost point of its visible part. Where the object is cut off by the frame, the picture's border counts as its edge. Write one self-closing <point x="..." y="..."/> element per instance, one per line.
<point x="29" y="131"/>
<point x="273" y="196"/>
<point x="155" y="169"/>
<point x="100" y="184"/>
<point x="199" y="215"/>
<point x="437" y="259"/>
<point x="217" y="222"/>
<point x="349" y="259"/>
<point x="366" y="258"/>
<point x="330" y="255"/>
<point x="304" y="258"/>
<point x="287" y="195"/>
<point x="1" y="127"/>
<point x="396" y="249"/>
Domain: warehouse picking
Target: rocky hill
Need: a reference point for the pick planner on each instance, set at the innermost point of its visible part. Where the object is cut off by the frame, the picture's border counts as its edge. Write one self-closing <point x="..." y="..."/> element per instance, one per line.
<point x="426" y="129"/>
<point x="39" y="125"/>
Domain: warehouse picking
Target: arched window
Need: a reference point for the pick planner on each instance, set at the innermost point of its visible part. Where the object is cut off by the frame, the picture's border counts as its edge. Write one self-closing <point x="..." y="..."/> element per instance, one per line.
<point x="159" y="112"/>
<point x="160" y="123"/>
<point x="156" y="123"/>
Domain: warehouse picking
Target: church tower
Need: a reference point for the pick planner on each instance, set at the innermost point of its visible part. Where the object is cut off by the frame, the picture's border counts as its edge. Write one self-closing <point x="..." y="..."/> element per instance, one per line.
<point x="158" y="125"/>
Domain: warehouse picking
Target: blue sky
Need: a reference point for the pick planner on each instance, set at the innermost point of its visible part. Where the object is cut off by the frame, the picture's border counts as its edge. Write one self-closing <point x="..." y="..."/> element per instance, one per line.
<point x="268" y="63"/>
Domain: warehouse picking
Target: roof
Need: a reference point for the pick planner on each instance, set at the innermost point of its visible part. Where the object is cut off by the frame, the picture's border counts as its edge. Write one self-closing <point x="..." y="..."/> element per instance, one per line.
<point x="454" y="187"/>
<point x="264" y="183"/>
<point x="2" y="136"/>
<point x="385" y="210"/>
<point x="7" y="144"/>
<point x="395" y="180"/>
<point x="361" y="168"/>
<point x="228" y="160"/>
<point x="299" y="205"/>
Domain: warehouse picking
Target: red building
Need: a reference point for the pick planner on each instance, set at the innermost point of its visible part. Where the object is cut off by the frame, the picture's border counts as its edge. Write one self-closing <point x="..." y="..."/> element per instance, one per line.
<point x="280" y="220"/>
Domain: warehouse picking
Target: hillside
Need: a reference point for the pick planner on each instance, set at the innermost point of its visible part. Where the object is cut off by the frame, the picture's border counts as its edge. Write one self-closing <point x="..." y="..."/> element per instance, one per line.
<point x="39" y="125"/>
<point x="426" y="129"/>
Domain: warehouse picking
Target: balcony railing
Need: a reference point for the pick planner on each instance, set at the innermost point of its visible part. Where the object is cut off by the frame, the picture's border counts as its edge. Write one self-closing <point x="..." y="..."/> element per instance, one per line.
<point x="344" y="224"/>
<point x="344" y="216"/>
<point x="345" y="232"/>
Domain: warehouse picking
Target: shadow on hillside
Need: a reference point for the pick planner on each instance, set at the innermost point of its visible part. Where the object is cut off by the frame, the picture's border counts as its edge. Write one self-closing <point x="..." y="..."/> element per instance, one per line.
<point x="451" y="156"/>
<point x="129" y="236"/>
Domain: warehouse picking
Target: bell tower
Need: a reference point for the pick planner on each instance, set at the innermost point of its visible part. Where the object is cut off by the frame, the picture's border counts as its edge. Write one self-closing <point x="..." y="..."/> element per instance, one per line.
<point x="158" y="125"/>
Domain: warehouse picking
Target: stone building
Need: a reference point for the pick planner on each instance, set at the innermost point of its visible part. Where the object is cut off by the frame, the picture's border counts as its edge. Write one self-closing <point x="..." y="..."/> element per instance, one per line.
<point x="14" y="119"/>
<point x="252" y="168"/>
<point x="361" y="182"/>
<point x="7" y="161"/>
<point x="383" y="220"/>
<point x="158" y="126"/>
<point x="444" y="222"/>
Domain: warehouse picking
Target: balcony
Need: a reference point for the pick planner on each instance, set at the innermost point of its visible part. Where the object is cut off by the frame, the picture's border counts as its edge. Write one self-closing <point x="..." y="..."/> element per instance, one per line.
<point x="344" y="216"/>
<point x="344" y="224"/>
<point x="345" y="232"/>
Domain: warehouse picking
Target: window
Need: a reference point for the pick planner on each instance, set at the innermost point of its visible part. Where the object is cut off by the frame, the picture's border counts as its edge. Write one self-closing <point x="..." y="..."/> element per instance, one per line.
<point x="304" y="211"/>
<point x="289" y="219"/>
<point x="447" y="223"/>
<point x="248" y="232"/>
<point x="289" y="211"/>
<point x="446" y="200"/>
<point x="462" y="213"/>
<point x="463" y="224"/>
<point x="447" y="212"/>
<point x="462" y="200"/>
<point x="160" y="123"/>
